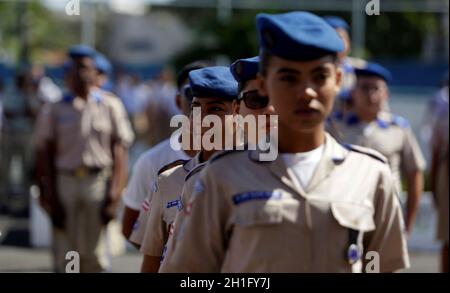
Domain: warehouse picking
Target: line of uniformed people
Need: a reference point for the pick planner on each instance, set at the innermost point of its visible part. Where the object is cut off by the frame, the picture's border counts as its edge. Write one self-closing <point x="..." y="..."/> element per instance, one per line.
<point x="319" y="206"/>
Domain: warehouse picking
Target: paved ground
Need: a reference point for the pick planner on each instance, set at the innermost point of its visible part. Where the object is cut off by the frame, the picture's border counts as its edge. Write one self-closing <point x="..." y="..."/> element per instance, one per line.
<point x="17" y="256"/>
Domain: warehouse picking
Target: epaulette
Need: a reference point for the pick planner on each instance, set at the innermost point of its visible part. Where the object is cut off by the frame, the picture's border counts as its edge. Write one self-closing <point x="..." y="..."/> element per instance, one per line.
<point x="367" y="151"/>
<point x="400" y="121"/>
<point x="171" y="165"/>
<point x="197" y="169"/>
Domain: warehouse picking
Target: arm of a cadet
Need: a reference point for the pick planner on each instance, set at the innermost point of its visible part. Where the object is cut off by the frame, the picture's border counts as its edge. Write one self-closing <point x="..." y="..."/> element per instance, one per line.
<point x="435" y="160"/>
<point x="128" y="219"/>
<point x="42" y="137"/>
<point x="201" y="235"/>
<point x="154" y="237"/>
<point x="435" y="144"/>
<point x="150" y="264"/>
<point x="415" y="188"/>
<point x="414" y="164"/>
<point x="173" y="235"/>
<point x="117" y="182"/>
<point x="389" y="237"/>
<point x="138" y="187"/>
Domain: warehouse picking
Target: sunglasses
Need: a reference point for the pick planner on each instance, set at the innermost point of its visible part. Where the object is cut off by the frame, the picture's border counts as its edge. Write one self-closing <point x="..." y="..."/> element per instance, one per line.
<point x="253" y="100"/>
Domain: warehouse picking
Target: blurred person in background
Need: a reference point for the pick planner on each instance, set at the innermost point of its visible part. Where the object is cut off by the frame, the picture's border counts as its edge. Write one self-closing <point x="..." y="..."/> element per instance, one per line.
<point x="440" y="168"/>
<point x="391" y="135"/>
<point x="17" y="122"/>
<point x="46" y="90"/>
<point x="82" y="144"/>
<point x="104" y="72"/>
<point x="135" y="95"/>
<point x="161" y="106"/>
<point x="343" y="103"/>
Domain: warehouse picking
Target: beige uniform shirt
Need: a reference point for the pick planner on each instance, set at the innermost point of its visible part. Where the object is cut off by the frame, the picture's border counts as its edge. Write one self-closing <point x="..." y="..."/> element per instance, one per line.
<point x="165" y="203"/>
<point x="390" y="135"/>
<point x="180" y="216"/>
<point x="253" y="216"/>
<point x="84" y="130"/>
<point x="139" y="227"/>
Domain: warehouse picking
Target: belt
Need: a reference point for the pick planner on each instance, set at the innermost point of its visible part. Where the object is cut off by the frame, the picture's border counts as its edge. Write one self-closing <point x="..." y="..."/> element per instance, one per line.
<point x="82" y="172"/>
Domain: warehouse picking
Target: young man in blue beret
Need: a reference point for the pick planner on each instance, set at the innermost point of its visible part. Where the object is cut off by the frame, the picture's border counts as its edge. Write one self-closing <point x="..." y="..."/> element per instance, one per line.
<point x="318" y="207"/>
<point x="212" y="91"/>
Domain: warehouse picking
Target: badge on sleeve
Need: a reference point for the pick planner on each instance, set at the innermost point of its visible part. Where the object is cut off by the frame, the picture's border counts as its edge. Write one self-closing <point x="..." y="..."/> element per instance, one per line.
<point x="199" y="187"/>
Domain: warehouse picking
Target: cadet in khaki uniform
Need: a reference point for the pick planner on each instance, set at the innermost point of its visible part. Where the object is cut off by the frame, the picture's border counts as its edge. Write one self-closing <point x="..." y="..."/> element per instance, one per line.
<point x="184" y="100"/>
<point x="318" y="207"/>
<point x="213" y="90"/>
<point x="82" y="142"/>
<point x="166" y="201"/>
<point x="249" y="102"/>
<point x="439" y="174"/>
<point x="145" y="171"/>
<point x="385" y="132"/>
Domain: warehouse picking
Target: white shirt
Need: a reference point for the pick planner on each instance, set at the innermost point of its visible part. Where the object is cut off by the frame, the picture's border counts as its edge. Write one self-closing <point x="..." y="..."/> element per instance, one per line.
<point x="146" y="170"/>
<point x="304" y="164"/>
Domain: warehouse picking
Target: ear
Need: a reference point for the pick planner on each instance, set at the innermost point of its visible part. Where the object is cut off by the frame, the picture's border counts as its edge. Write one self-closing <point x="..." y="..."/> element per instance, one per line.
<point x="339" y="77"/>
<point x="386" y="95"/>
<point x="262" y="84"/>
<point x="236" y="107"/>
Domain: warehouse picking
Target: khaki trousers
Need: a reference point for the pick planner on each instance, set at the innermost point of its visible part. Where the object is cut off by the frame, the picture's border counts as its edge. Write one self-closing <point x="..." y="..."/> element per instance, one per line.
<point x="82" y="199"/>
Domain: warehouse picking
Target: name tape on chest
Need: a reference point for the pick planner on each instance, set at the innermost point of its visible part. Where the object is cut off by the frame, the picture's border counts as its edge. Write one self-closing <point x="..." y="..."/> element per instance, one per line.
<point x="256" y="195"/>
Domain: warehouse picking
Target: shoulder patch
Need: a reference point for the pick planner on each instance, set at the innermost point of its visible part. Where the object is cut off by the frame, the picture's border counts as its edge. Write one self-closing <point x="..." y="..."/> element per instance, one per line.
<point x="197" y="169"/>
<point x="171" y="165"/>
<point x="400" y="121"/>
<point x="366" y="151"/>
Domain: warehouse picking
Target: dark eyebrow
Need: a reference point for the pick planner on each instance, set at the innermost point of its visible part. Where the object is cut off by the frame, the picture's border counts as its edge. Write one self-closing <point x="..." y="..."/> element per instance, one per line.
<point x="288" y="70"/>
<point x="216" y="102"/>
<point x="320" y="68"/>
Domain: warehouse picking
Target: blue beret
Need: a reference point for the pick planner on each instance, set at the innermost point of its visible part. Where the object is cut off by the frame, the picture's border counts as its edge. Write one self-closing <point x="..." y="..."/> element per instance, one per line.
<point x="301" y="36"/>
<point x="102" y="63"/>
<point x="336" y="22"/>
<point x="245" y="69"/>
<point x="81" y="51"/>
<point x="215" y="82"/>
<point x="374" y="69"/>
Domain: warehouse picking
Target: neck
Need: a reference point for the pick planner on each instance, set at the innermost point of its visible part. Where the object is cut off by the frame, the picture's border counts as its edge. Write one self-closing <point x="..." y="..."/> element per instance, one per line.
<point x="190" y="153"/>
<point x="81" y="92"/>
<point x="367" y="117"/>
<point x="303" y="142"/>
<point x="205" y="155"/>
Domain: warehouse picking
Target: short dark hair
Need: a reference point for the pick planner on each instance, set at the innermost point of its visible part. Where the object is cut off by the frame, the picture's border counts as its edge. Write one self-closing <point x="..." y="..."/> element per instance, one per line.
<point x="183" y="74"/>
<point x="265" y="56"/>
<point x="242" y="85"/>
<point x="264" y="59"/>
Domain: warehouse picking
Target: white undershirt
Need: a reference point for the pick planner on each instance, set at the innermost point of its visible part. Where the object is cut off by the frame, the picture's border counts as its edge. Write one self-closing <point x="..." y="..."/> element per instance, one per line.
<point x="304" y="164"/>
